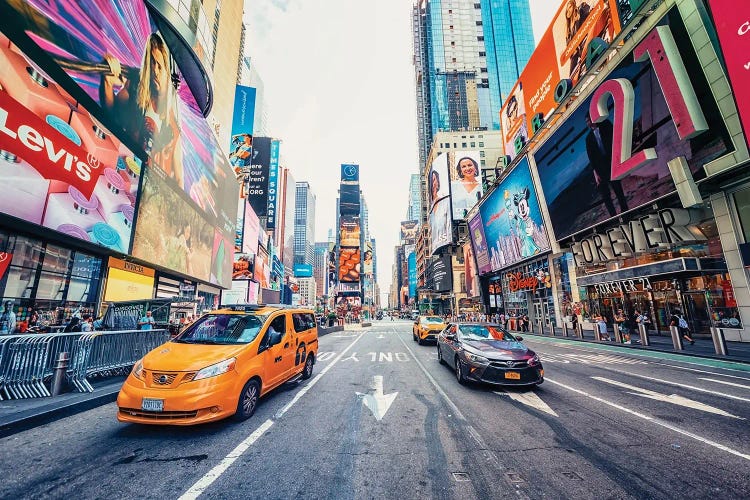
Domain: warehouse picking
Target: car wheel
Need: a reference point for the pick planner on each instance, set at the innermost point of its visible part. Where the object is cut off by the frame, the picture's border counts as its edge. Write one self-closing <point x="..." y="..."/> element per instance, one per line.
<point x="308" y="370"/>
<point x="440" y="356"/>
<point x="248" y="400"/>
<point x="460" y="372"/>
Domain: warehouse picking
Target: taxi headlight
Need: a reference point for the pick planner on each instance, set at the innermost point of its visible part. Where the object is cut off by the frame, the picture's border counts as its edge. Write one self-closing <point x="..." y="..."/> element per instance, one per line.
<point x="534" y="361"/>
<point x="138" y="370"/>
<point x="217" y="369"/>
<point x="476" y="359"/>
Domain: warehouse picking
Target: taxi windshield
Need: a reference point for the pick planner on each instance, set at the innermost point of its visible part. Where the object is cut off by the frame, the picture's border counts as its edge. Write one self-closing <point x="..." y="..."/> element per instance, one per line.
<point x="432" y="319"/>
<point x="222" y="329"/>
<point x="478" y="332"/>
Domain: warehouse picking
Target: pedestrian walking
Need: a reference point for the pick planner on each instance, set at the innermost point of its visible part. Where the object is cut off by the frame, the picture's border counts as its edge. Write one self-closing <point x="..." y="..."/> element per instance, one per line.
<point x="525" y="323"/>
<point x="574" y="322"/>
<point x="678" y="320"/>
<point x="601" y="324"/>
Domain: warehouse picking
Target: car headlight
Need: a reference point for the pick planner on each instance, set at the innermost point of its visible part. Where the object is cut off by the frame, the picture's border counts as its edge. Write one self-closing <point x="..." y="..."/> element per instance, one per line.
<point x="138" y="370"/>
<point x="217" y="369"/>
<point x="476" y="359"/>
<point x="535" y="360"/>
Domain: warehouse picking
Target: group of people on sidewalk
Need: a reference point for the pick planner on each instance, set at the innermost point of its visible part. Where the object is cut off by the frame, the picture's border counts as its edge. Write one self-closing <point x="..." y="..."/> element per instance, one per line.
<point x="629" y="325"/>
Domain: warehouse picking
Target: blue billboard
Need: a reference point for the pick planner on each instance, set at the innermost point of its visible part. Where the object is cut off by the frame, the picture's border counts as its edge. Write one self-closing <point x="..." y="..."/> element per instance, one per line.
<point x="303" y="270"/>
<point x="411" y="263"/>
<point x="273" y="185"/>
<point x="512" y="220"/>
<point x="349" y="172"/>
<point x="241" y="148"/>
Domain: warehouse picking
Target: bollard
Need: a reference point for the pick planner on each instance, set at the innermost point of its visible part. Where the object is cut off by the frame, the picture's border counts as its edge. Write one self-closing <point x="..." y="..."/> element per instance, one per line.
<point x="59" y="374"/>
<point x="551" y="329"/>
<point x="565" y="329"/>
<point x="720" y="343"/>
<point x="541" y="327"/>
<point x="676" y="338"/>
<point x="618" y="334"/>
<point x="644" y="334"/>
<point x="579" y="331"/>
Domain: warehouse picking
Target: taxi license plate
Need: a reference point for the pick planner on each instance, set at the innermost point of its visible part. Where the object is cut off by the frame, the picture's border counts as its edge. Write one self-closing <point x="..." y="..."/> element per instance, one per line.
<point x="513" y="375"/>
<point x="152" y="404"/>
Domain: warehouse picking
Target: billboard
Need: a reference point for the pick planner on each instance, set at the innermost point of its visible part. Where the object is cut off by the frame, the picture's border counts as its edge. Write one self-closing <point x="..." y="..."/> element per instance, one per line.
<point x="303" y="270"/>
<point x="479" y="244"/>
<point x="559" y="56"/>
<point x="513" y="221"/>
<point x="350" y="231"/>
<point x="251" y="230"/>
<point x="585" y="183"/>
<point x="367" y="259"/>
<point x="440" y="273"/>
<point x="411" y="265"/>
<point x="441" y="226"/>
<point x="409" y="232"/>
<point x="59" y="167"/>
<point x="438" y="180"/>
<point x="242" y="268"/>
<point x="273" y="185"/>
<point x="466" y="182"/>
<point x="257" y="179"/>
<point x="732" y="21"/>
<point x="241" y="149"/>
<point x="349" y="173"/>
<point x="262" y="270"/>
<point x="471" y="285"/>
<point x="349" y="199"/>
<point x="349" y="265"/>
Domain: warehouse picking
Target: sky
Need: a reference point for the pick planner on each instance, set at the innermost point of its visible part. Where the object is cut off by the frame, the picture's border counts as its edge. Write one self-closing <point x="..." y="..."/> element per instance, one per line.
<point x="339" y="88"/>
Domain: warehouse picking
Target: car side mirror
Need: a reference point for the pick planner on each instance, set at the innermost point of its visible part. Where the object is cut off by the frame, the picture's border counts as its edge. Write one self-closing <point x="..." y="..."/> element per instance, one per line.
<point x="450" y="336"/>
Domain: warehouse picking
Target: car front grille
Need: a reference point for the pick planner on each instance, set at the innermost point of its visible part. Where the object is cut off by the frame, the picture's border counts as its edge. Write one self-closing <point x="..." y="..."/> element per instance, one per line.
<point x="505" y="365"/>
<point x="162" y="415"/>
<point x="169" y="379"/>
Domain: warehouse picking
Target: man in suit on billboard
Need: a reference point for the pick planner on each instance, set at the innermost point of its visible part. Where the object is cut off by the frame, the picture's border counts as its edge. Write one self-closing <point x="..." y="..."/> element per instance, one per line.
<point x="599" y="151"/>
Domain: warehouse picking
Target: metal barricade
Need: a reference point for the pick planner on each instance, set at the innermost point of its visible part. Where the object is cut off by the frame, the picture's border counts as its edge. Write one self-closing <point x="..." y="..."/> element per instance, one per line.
<point x="27" y="362"/>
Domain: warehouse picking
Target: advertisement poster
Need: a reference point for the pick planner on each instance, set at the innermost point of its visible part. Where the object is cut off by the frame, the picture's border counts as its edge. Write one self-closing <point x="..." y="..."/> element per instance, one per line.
<point x="253" y="289"/>
<point x="732" y="21"/>
<point x="242" y="268"/>
<point x="350" y="173"/>
<point x="412" y="270"/>
<point x="83" y="182"/>
<point x="438" y="180"/>
<point x="367" y="259"/>
<point x="441" y="225"/>
<point x="466" y="182"/>
<point x="272" y="199"/>
<point x="235" y="295"/>
<point x="409" y="232"/>
<point x="241" y="148"/>
<point x="470" y="271"/>
<point x="479" y="243"/>
<point x="251" y="230"/>
<point x="441" y="274"/>
<point x="257" y="180"/>
<point x="262" y="271"/>
<point x="575" y="163"/>
<point x="350" y="231"/>
<point x="512" y="220"/>
<point x="349" y="265"/>
<point x="239" y="227"/>
<point x="560" y="55"/>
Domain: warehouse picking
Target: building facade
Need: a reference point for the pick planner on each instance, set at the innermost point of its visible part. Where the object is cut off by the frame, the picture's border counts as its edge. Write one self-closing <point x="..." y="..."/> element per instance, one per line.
<point x="304" y="224"/>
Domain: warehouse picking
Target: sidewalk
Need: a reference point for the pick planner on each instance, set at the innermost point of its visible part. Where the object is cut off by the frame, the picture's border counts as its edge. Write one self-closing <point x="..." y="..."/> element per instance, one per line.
<point x="17" y="415"/>
<point x="703" y="347"/>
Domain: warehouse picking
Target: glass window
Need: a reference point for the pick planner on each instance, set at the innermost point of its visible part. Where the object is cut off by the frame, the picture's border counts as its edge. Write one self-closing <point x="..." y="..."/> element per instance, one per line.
<point x="56" y="259"/>
<point x="742" y="202"/>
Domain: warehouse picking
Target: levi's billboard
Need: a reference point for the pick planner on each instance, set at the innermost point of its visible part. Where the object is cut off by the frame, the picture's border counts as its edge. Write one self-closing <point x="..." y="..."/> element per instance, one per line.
<point x="611" y="155"/>
<point x="559" y="59"/>
<point x="59" y="167"/>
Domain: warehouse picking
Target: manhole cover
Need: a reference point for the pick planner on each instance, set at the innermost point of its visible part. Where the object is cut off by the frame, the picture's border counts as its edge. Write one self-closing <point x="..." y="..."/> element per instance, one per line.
<point x="514" y="477"/>
<point x="460" y="476"/>
<point x="572" y="475"/>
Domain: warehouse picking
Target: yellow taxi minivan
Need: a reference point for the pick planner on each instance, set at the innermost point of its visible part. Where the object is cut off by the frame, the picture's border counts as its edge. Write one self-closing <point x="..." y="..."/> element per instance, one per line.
<point x="427" y="328"/>
<point x="220" y="366"/>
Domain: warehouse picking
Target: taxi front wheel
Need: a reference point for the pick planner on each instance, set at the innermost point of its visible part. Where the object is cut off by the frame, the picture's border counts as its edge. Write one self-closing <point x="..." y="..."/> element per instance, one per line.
<point x="248" y="400"/>
<point x="308" y="370"/>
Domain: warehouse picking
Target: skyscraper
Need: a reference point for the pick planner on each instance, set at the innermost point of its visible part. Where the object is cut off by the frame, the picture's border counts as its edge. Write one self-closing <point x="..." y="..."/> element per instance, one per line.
<point x="467" y="57"/>
<point x="304" y="225"/>
<point x="415" y="199"/>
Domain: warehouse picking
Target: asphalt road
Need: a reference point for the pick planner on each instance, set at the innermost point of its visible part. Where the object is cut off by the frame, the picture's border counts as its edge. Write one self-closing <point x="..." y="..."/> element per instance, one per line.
<point x="606" y="423"/>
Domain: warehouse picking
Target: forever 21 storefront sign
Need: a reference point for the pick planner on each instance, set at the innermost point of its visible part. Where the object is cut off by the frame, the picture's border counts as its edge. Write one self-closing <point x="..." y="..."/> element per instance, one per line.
<point x="662" y="229"/>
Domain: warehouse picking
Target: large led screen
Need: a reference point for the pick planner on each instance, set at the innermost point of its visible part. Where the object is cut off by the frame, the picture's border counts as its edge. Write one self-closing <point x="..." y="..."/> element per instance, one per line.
<point x="349" y="265"/>
<point x="479" y="243"/>
<point x="438" y="180"/>
<point x="257" y="180"/>
<point x="575" y="163"/>
<point x="350" y="231"/>
<point x="466" y="183"/>
<point x="59" y="167"/>
<point x="512" y="220"/>
<point x="114" y="52"/>
<point x="441" y="225"/>
<point x="409" y="232"/>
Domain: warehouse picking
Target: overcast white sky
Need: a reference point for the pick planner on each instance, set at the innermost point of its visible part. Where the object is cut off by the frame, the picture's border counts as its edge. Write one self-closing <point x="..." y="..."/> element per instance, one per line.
<point x="339" y="88"/>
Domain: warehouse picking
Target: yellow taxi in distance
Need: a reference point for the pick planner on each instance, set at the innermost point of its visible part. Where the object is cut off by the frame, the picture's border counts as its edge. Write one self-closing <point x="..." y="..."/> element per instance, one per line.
<point x="427" y="328"/>
<point x="220" y="366"/>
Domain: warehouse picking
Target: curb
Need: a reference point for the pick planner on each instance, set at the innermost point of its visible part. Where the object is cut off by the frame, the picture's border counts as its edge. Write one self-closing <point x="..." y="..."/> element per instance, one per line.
<point x="642" y="348"/>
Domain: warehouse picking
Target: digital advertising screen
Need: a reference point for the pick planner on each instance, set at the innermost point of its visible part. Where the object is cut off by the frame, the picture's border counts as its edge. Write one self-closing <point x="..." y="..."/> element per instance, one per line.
<point x="349" y="265"/>
<point x="350" y="231"/>
<point x="479" y="243"/>
<point x="251" y="231"/>
<point x="513" y="221"/>
<point x="349" y="173"/>
<point x="438" y="180"/>
<point x="349" y="199"/>
<point x="441" y="225"/>
<point x="257" y="180"/>
<point x="367" y="259"/>
<point x="60" y="168"/>
<point x="409" y="232"/>
<point x="242" y="268"/>
<point x="466" y="182"/>
<point x="243" y="118"/>
<point x="575" y="163"/>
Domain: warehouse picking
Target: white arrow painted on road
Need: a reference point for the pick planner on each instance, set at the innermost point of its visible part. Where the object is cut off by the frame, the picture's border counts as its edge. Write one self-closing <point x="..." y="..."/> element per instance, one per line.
<point x="529" y="399"/>
<point x="381" y="336"/>
<point x="377" y="402"/>
<point x="672" y="398"/>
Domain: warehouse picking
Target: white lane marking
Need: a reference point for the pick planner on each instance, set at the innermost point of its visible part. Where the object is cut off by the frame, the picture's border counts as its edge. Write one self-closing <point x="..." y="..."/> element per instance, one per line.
<point x="677" y="384"/>
<point x="529" y="399"/>
<point x="203" y="483"/>
<point x="708" y="372"/>
<point x="377" y="402"/>
<point x="672" y="398"/>
<point x="725" y="382"/>
<point x="654" y="420"/>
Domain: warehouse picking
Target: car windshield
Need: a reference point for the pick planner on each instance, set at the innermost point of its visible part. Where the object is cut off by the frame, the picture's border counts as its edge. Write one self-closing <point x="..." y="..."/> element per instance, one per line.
<point x="432" y="319"/>
<point x="479" y="332"/>
<point x="223" y="329"/>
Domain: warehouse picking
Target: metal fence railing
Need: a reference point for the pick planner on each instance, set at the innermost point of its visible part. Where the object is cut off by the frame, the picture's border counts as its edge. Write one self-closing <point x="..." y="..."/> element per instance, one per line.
<point x="27" y="362"/>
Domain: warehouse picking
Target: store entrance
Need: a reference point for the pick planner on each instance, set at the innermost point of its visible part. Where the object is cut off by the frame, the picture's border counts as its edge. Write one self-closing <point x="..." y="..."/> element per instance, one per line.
<point x="540" y="312"/>
<point x="665" y="304"/>
<point x="696" y="312"/>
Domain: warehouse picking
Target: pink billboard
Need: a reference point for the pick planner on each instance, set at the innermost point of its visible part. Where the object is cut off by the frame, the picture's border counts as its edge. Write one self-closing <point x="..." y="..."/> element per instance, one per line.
<point x="732" y="20"/>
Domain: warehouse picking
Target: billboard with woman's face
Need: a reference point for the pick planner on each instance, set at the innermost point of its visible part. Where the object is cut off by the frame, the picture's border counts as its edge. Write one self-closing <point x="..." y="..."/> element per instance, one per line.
<point x="112" y="50"/>
<point x="438" y="180"/>
<point x="466" y="183"/>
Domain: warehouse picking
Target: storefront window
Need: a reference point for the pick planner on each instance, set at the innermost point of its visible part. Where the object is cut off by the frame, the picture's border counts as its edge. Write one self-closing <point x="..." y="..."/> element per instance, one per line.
<point x="742" y="202"/>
